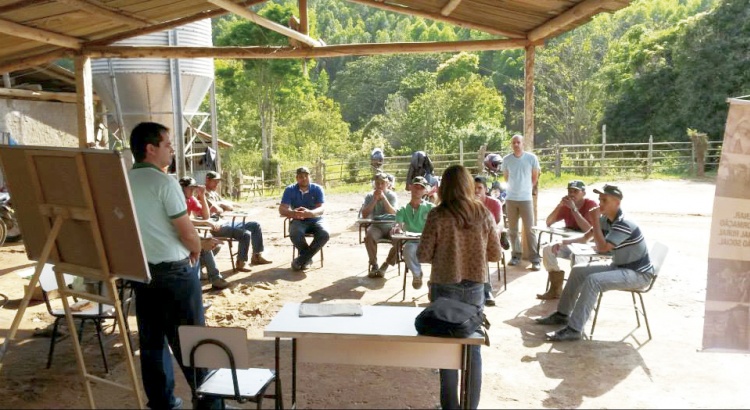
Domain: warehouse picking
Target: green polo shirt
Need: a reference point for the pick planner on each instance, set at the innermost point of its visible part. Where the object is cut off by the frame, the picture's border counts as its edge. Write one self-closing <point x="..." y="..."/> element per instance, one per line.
<point x="158" y="199"/>
<point x="414" y="219"/>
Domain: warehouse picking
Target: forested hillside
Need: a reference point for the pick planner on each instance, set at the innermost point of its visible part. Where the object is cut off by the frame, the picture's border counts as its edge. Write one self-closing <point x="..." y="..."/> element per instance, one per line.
<point x="655" y="68"/>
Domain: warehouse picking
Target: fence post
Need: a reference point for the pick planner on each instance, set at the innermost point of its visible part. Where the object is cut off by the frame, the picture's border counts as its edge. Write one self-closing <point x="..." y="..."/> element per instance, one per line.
<point x="480" y="158"/>
<point x="649" y="163"/>
<point x="604" y="149"/>
<point x="692" y="159"/>
<point x="461" y="152"/>
<point x="558" y="161"/>
<point x="278" y="175"/>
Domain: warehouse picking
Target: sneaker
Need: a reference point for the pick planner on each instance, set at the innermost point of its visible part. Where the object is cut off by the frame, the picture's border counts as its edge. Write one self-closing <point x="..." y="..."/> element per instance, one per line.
<point x="514" y="261"/>
<point x="219" y="283"/>
<point x="177" y="404"/>
<point x="416" y="283"/>
<point x="535" y="266"/>
<point x="296" y="265"/>
<point x="240" y="266"/>
<point x="372" y="273"/>
<point x="565" y="334"/>
<point x="556" y="318"/>
<point x="258" y="259"/>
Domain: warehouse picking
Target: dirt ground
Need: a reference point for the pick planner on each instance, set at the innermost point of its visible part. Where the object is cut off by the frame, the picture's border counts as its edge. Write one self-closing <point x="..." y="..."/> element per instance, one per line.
<point x="620" y="368"/>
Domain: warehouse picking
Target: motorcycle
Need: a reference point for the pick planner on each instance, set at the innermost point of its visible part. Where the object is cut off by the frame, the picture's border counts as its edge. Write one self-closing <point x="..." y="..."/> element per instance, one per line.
<point x="9" y="229"/>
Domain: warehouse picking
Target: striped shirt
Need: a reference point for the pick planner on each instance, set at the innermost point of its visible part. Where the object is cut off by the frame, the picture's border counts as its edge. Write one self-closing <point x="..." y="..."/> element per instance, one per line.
<point x="631" y="251"/>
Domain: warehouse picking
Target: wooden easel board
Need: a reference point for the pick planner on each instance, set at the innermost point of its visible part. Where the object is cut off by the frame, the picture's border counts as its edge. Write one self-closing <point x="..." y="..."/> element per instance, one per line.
<point x="61" y="183"/>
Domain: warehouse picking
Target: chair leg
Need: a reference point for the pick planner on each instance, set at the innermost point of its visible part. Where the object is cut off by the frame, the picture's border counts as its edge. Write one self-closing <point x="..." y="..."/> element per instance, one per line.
<point x="98" y="326"/>
<point x="52" y="342"/>
<point x="645" y="316"/>
<point x="635" y="308"/>
<point x="596" y="314"/>
<point x="231" y="255"/>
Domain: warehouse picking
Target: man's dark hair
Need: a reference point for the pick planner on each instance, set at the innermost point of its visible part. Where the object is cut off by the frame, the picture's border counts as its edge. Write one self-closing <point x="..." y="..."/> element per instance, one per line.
<point x="144" y="134"/>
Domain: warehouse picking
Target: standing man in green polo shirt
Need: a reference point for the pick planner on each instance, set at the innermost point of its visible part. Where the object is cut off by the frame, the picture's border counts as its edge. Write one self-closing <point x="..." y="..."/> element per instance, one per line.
<point x="173" y="297"/>
<point x="411" y="218"/>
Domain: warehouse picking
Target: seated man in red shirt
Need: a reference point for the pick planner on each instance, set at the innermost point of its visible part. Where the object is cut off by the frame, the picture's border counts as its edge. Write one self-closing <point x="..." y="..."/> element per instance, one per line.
<point x="574" y="209"/>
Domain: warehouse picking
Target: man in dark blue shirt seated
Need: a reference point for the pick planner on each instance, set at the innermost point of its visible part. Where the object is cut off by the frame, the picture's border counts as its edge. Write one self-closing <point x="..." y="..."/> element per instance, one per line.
<point x="303" y="203"/>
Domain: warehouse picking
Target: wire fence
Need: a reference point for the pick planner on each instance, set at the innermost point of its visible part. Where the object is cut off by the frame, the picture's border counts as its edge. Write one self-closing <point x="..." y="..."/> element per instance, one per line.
<point x="644" y="159"/>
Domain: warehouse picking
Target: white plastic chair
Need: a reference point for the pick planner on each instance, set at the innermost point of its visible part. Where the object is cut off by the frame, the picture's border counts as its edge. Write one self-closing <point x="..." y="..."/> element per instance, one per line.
<point x="657" y="254"/>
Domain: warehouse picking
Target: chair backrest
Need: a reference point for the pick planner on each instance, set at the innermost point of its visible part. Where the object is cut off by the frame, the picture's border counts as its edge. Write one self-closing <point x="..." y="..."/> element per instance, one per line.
<point x="47" y="278"/>
<point x="657" y="254"/>
<point x="211" y="355"/>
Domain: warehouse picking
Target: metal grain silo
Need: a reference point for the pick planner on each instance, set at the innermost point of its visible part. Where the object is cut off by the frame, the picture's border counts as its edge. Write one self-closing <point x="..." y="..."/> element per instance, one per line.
<point x="142" y="89"/>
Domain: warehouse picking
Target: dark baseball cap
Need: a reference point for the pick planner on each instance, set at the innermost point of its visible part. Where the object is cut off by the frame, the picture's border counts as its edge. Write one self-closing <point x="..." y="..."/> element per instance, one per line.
<point x="303" y="170"/>
<point x="577" y="184"/>
<point x="420" y="181"/>
<point x="213" y="175"/>
<point x="381" y="176"/>
<point x="610" y="190"/>
<point x="187" y="181"/>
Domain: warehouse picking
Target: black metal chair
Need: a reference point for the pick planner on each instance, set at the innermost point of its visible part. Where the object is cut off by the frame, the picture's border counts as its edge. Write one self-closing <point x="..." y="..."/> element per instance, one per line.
<point x="224" y="351"/>
<point x="287" y="222"/>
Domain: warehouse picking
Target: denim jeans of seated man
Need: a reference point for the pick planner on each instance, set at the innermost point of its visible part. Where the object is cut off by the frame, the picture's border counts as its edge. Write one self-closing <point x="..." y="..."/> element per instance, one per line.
<point x="297" y="231"/>
<point x="171" y="299"/>
<point x="472" y="293"/>
<point x="244" y="234"/>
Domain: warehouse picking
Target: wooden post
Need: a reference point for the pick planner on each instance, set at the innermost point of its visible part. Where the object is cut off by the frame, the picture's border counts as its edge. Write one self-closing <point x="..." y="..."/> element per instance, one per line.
<point x="461" y="151"/>
<point x="480" y="158"/>
<point x="604" y="150"/>
<point x="6" y="80"/>
<point x="558" y="161"/>
<point x="650" y="160"/>
<point x="84" y="102"/>
<point x="528" y="99"/>
<point x="278" y="175"/>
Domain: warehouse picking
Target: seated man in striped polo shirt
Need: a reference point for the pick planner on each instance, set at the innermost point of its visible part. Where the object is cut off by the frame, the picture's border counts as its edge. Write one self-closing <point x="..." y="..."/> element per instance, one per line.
<point x="629" y="268"/>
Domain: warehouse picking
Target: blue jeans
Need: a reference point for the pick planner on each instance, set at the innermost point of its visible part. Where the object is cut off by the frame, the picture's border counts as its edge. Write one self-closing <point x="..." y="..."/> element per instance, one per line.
<point x="467" y="292"/>
<point x="207" y="259"/>
<point x="171" y="299"/>
<point x="587" y="280"/>
<point x="410" y="258"/>
<point x="243" y="233"/>
<point x="297" y="231"/>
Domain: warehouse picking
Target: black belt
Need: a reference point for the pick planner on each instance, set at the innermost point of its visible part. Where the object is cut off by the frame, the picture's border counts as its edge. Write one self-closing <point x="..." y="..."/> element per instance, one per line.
<point x="169" y="265"/>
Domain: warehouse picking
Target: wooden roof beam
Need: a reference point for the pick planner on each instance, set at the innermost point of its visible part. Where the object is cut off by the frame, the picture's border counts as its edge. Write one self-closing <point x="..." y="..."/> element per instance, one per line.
<point x="275" y="52"/>
<point x="35" y="60"/>
<point x="439" y="17"/>
<point x="448" y="8"/>
<point x="579" y="12"/>
<point x="167" y="25"/>
<point x="262" y="21"/>
<point x="39" y="95"/>
<point x="43" y="36"/>
<point x="108" y="12"/>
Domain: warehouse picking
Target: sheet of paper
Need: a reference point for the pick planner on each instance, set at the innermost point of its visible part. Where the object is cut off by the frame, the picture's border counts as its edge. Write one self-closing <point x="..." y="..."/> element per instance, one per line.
<point x="329" y="309"/>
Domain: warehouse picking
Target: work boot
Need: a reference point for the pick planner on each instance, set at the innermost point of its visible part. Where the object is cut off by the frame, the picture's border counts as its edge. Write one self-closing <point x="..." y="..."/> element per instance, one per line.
<point x="556" y="318"/>
<point x="258" y="259"/>
<point x="564" y="335"/>
<point x="240" y="266"/>
<point x="556" y="278"/>
<point x="219" y="283"/>
<point x="372" y="273"/>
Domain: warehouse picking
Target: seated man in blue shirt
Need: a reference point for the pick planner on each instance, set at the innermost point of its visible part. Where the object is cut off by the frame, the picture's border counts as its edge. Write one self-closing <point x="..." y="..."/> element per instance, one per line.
<point x="303" y="203"/>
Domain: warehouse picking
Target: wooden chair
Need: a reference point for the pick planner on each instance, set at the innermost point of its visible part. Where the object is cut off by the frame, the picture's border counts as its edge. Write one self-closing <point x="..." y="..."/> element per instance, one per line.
<point x="95" y="312"/>
<point x="224" y="351"/>
<point x="287" y="223"/>
<point x="657" y="254"/>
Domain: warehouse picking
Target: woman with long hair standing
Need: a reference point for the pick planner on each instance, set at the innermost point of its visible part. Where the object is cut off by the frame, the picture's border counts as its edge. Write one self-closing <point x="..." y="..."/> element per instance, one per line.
<point x="459" y="238"/>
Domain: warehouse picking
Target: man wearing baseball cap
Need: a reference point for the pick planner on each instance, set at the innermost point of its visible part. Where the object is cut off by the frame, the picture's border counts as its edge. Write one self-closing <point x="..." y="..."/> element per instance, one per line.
<point x="245" y="233"/>
<point x="303" y="203"/>
<point x="411" y="218"/>
<point x="381" y="203"/>
<point x="571" y="209"/>
<point x="629" y="268"/>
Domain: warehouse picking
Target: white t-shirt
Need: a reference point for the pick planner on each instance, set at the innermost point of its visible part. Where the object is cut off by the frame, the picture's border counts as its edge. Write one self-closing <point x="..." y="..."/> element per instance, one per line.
<point x="158" y="199"/>
<point x="519" y="180"/>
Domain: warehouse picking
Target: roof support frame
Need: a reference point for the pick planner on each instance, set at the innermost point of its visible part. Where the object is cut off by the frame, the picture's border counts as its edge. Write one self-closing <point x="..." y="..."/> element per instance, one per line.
<point x="113" y="14"/>
<point x="43" y="36"/>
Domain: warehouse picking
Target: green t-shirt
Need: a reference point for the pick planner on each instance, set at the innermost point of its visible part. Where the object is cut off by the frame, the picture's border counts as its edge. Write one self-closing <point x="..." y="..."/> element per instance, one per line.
<point x="158" y="199"/>
<point x="414" y="219"/>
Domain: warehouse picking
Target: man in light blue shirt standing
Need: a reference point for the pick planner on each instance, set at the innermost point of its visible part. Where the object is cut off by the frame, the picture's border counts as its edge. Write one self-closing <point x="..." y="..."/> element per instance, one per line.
<point x="521" y="171"/>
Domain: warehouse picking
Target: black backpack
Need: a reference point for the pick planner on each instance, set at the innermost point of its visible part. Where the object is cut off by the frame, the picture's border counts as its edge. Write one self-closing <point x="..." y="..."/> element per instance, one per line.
<point x="451" y="318"/>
